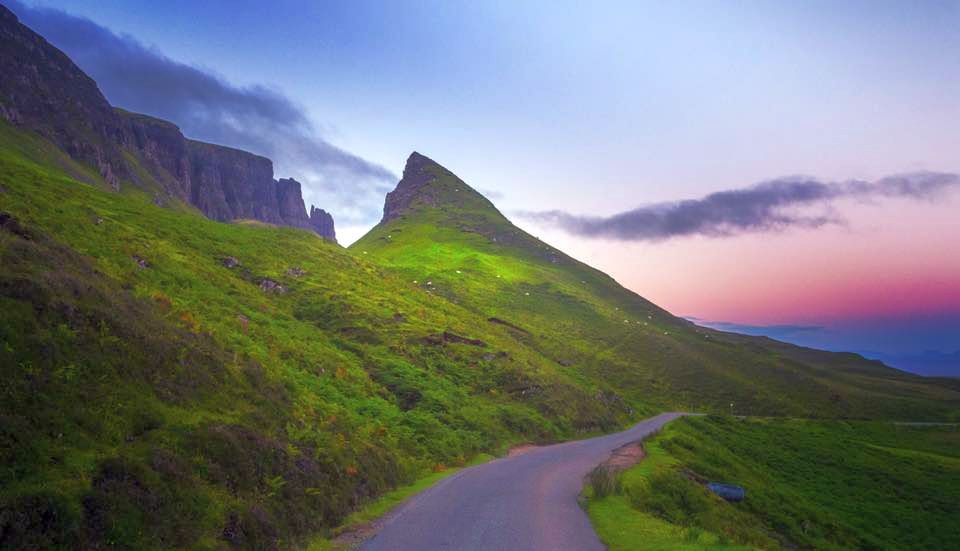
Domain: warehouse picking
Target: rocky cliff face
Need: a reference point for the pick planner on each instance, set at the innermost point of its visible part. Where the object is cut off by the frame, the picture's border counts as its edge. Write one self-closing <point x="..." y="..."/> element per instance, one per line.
<point x="414" y="186"/>
<point x="427" y="184"/>
<point x="322" y="223"/>
<point x="42" y="90"/>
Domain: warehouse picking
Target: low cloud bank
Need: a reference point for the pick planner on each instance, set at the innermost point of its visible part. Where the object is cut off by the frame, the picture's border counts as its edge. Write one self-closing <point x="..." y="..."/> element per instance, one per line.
<point x="765" y="207"/>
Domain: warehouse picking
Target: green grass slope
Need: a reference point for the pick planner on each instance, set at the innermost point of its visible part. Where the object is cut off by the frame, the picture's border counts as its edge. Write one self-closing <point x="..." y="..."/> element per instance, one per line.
<point x="827" y="485"/>
<point x="450" y="241"/>
<point x="154" y="397"/>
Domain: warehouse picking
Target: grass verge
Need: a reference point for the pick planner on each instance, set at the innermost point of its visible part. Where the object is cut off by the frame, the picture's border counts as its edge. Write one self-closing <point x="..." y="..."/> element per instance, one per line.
<point x="360" y="524"/>
<point x="827" y="485"/>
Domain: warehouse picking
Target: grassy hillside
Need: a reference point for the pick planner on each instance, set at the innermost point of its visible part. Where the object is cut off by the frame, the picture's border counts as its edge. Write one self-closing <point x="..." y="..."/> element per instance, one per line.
<point x="826" y="485"/>
<point x="154" y="397"/>
<point x="174" y="382"/>
<point x="451" y="242"/>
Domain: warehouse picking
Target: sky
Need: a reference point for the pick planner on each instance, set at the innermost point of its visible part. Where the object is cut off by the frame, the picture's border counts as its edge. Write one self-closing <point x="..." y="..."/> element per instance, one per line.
<point x="786" y="168"/>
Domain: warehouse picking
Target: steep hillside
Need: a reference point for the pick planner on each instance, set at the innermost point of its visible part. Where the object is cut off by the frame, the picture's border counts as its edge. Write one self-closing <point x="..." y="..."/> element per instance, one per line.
<point x="45" y="92"/>
<point x="172" y="381"/>
<point x="452" y="242"/>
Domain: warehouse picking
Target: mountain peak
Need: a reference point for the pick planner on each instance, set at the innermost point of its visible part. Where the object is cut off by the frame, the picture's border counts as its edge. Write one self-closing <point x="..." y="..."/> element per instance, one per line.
<point x="417" y="159"/>
<point x="427" y="184"/>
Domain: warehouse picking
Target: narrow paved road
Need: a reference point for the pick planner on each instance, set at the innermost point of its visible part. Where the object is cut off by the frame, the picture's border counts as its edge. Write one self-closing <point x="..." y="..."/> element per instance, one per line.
<point x="523" y="503"/>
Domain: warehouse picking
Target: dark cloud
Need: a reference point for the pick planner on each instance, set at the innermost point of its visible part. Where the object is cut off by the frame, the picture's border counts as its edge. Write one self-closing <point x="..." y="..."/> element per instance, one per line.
<point x="769" y="206"/>
<point x="208" y="108"/>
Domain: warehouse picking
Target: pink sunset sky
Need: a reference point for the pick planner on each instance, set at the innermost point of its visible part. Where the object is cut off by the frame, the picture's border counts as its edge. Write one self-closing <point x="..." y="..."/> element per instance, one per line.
<point x="885" y="280"/>
<point x="895" y="258"/>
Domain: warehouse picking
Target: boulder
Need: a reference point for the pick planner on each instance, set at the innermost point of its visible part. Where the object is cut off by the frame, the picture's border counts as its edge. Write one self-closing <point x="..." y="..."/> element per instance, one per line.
<point x="268" y="285"/>
<point x="230" y="262"/>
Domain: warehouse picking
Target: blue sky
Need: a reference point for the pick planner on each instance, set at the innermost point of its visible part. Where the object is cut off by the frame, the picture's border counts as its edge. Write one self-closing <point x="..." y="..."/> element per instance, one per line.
<point x="592" y="110"/>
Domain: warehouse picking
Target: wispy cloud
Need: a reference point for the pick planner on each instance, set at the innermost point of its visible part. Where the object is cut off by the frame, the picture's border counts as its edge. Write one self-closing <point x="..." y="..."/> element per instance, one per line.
<point x="208" y="108"/>
<point x="768" y="206"/>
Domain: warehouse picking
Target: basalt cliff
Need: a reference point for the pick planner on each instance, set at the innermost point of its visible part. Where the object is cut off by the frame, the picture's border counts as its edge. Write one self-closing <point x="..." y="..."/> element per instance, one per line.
<point x="44" y="91"/>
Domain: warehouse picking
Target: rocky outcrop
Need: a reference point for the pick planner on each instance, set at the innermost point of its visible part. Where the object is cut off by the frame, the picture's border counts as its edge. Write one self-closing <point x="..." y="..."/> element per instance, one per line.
<point x="417" y="175"/>
<point x="322" y="222"/>
<point x="426" y="184"/>
<point x="42" y="90"/>
<point x="224" y="183"/>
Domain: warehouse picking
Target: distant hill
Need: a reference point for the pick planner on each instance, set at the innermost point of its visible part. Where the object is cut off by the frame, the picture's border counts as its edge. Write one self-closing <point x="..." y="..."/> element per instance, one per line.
<point x="173" y="381"/>
<point x="931" y="363"/>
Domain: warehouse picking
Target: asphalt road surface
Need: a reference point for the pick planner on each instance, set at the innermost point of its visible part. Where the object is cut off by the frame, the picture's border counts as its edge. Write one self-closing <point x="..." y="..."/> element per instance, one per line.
<point x="523" y="503"/>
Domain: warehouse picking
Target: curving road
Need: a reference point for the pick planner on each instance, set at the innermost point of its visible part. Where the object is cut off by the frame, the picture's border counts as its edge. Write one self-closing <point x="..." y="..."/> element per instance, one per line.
<point x="523" y="503"/>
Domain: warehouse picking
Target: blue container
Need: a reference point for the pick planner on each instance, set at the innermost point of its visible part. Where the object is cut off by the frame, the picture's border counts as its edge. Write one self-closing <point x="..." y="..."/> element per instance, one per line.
<point x="728" y="492"/>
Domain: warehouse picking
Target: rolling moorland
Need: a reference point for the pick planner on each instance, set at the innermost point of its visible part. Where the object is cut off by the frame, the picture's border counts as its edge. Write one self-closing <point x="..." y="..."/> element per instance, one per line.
<point x="174" y="381"/>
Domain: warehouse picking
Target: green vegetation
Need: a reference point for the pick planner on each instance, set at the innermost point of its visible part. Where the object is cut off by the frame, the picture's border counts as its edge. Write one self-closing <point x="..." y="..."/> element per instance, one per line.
<point x="157" y="396"/>
<point x="455" y="245"/>
<point x="621" y="528"/>
<point x="154" y="397"/>
<point x="830" y="485"/>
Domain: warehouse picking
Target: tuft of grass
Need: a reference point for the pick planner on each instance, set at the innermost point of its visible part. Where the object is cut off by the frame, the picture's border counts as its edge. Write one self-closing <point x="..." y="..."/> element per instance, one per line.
<point x="605" y="481"/>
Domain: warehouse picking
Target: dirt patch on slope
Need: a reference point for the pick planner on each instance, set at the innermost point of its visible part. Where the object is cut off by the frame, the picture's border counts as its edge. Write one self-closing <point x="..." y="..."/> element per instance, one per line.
<point x="521" y="449"/>
<point x="625" y="457"/>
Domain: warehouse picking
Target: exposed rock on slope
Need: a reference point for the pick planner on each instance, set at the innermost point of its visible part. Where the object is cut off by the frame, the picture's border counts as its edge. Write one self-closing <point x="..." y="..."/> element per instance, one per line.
<point x="414" y="182"/>
<point x="322" y="223"/>
<point x="44" y="91"/>
<point x="421" y="185"/>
